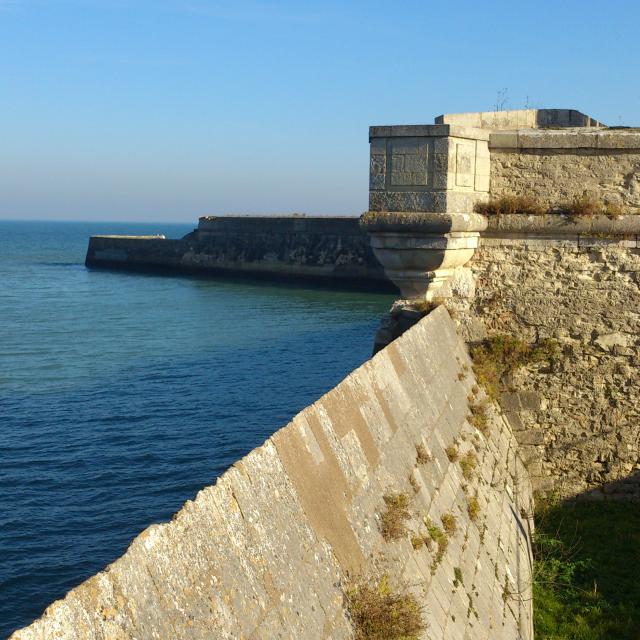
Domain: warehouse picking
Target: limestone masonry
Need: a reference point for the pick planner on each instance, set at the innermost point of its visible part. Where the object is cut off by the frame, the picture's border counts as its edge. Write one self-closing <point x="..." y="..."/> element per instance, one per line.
<point x="323" y="250"/>
<point x="572" y="279"/>
<point x="274" y="549"/>
<point x="271" y="549"/>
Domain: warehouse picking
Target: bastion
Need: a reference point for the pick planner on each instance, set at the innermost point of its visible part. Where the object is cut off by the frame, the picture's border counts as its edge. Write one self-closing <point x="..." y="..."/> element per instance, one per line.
<point x="414" y="476"/>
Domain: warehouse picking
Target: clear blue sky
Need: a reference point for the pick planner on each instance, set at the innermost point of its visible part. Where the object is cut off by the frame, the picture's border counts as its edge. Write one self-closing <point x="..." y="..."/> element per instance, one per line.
<point x="171" y="109"/>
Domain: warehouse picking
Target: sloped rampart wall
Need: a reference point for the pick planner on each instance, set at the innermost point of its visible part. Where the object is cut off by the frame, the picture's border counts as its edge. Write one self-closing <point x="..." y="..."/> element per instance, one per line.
<point x="270" y="550"/>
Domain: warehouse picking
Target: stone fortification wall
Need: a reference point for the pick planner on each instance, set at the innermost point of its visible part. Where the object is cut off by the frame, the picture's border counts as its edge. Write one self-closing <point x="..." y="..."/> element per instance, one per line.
<point x="578" y="421"/>
<point x="269" y="551"/>
<point x="333" y="250"/>
<point x="557" y="166"/>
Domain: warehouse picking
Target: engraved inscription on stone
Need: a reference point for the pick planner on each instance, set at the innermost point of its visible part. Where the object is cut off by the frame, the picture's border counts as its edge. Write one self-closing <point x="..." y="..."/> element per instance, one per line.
<point x="465" y="164"/>
<point x="409" y="161"/>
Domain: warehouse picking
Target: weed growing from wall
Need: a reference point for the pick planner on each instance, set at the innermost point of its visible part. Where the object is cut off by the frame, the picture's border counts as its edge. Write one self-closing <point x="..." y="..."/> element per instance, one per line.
<point x="393" y="519"/>
<point x="379" y="613"/>
<point x="497" y="357"/>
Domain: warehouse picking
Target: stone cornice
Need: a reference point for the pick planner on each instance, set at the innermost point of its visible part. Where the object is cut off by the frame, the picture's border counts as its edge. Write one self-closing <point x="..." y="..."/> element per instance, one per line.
<point x="556" y="224"/>
<point x="419" y="222"/>
<point x="429" y="130"/>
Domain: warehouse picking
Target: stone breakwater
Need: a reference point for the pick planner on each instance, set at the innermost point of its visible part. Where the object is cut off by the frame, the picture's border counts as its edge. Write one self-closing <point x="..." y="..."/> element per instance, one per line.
<point x="270" y="550"/>
<point x="323" y="250"/>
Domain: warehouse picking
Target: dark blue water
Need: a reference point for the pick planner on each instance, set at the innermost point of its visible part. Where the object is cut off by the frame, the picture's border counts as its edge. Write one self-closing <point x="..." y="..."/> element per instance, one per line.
<point x="122" y="395"/>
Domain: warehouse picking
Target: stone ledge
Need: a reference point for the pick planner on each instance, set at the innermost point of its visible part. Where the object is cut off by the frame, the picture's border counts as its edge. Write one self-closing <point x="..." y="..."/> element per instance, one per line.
<point x="520" y="118"/>
<point x="557" y="224"/>
<point x="406" y="221"/>
<point x="154" y="237"/>
<point x="428" y="130"/>
<point x="574" y="138"/>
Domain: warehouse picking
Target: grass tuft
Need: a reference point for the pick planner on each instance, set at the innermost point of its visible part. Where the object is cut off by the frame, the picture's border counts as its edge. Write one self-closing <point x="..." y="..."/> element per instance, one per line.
<point x="452" y="453"/>
<point x="587" y="563"/>
<point x="468" y="463"/>
<point x="500" y="355"/>
<point x="393" y="522"/>
<point x="473" y="508"/>
<point x="422" y="455"/>
<point x="377" y="613"/>
<point x="479" y="417"/>
<point x="580" y="207"/>
<point x="437" y="536"/>
<point x="449" y="524"/>
<point x="586" y="207"/>
<point x="505" y="205"/>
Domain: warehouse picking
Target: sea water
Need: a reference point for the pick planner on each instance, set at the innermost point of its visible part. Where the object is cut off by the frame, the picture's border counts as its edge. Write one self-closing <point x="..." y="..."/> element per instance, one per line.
<point x="122" y="395"/>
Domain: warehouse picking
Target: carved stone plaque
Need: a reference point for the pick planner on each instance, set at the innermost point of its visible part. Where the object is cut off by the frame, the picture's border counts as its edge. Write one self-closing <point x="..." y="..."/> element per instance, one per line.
<point x="409" y="162"/>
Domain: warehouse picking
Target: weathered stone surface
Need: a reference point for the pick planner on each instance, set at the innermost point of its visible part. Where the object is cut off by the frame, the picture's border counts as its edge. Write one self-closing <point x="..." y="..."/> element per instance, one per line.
<point x="580" y="418"/>
<point x="519" y="119"/>
<point x="556" y="176"/>
<point x="265" y="552"/>
<point x="428" y="168"/>
<point x="320" y="249"/>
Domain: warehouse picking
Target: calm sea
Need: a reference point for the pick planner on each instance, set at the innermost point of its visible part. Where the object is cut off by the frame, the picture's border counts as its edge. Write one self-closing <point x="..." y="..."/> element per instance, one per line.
<point x="121" y="395"/>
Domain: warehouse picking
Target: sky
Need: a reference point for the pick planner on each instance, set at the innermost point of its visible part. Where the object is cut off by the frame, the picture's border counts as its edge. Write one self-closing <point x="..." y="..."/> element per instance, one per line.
<point x="166" y="110"/>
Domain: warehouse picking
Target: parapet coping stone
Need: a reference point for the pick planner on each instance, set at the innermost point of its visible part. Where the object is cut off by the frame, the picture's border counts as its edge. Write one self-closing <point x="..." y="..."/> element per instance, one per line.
<point x="274" y="216"/>
<point x="422" y="222"/>
<point x="520" y="118"/>
<point x="428" y="131"/>
<point x="559" y="224"/>
<point x="567" y="138"/>
<point x="158" y="236"/>
<point x="520" y="224"/>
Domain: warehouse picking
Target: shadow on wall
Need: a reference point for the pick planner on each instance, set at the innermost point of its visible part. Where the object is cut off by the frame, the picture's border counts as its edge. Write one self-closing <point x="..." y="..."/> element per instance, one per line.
<point x="587" y="559"/>
<point x="627" y="489"/>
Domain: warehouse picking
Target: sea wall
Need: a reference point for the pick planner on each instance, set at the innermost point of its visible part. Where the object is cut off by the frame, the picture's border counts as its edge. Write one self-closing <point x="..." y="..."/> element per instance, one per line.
<point x="557" y="166"/>
<point x="270" y="550"/>
<point x="325" y="250"/>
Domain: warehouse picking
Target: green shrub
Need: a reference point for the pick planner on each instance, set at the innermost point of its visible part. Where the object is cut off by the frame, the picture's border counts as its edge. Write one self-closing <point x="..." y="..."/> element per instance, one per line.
<point x="587" y="563"/>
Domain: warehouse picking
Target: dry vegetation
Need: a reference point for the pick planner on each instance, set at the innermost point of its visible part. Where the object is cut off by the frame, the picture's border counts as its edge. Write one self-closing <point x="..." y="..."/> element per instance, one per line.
<point x="452" y="453"/>
<point x="468" y="463"/>
<point x="422" y="455"/>
<point x="497" y="357"/>
<point x="479" y="417"/>
<point x="580" y="207"/>
<point x="473" y="508"/>
<point x="449" y="523"/>
<point x="377" y="613"/>
<point x="393" y="520"/>
<point x="506" y="205"/>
